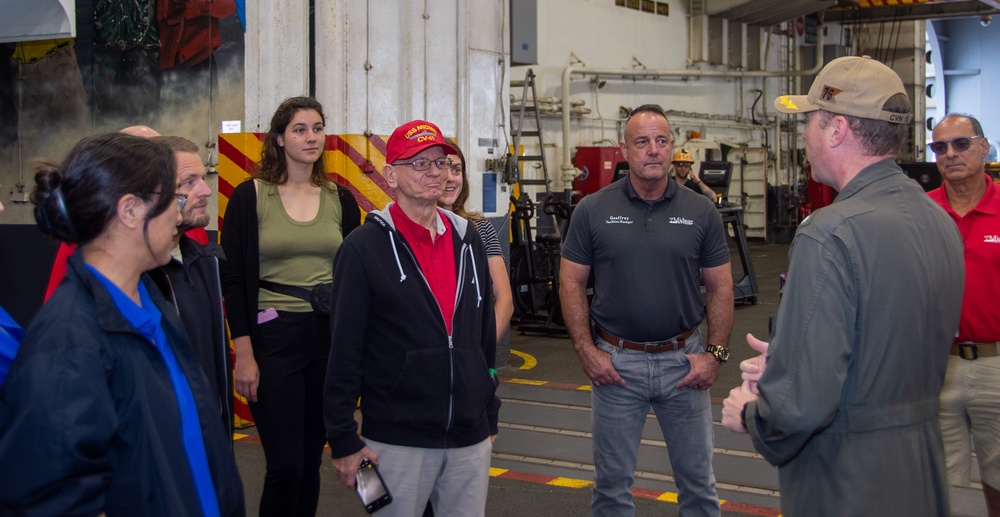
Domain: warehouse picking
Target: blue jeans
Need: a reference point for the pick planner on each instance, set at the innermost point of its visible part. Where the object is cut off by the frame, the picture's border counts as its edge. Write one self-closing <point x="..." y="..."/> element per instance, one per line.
<point x="685" y="418"/>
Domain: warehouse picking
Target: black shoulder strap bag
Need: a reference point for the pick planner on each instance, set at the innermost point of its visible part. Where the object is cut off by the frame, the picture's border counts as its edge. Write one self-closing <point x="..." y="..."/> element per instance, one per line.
<point x="319" y="296"/>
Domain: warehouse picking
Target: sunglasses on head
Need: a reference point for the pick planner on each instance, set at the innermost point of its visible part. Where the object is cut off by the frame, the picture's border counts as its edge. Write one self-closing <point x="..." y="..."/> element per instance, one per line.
<point x="960" y="144"/>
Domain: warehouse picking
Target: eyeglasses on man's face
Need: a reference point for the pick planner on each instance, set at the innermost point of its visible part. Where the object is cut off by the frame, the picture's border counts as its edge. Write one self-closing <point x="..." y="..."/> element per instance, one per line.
<point x="423" y="164"/>
<point x="182" y="200"/>
<point x="960" y="144"/>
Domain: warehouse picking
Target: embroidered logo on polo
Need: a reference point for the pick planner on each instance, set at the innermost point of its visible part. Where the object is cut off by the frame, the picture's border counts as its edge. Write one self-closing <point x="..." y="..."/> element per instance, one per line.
<point x="618" y="219"/>
<point x="991" y="239"/>
<point x="680" y="220"/>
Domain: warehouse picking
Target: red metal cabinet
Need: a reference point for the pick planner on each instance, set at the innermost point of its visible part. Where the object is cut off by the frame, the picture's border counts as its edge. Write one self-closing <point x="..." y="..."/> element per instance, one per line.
<point x="598" y="169"/>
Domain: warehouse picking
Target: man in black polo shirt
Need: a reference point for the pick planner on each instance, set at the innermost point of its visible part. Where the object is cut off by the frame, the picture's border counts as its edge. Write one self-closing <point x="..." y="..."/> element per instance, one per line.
<point x="647" y="240"/>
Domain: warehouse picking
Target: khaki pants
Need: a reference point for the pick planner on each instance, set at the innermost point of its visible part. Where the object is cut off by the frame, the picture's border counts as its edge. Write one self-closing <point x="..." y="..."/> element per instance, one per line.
<point x="455" y="481"/>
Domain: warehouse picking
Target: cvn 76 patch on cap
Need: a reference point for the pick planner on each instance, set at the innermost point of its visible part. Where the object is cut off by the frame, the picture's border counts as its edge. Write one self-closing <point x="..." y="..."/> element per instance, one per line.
<point x="828" y="93"/>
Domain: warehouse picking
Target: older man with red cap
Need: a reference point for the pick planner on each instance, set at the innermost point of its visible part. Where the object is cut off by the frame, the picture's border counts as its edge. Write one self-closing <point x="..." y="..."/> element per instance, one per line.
<point x="413" y="335"/>
<point x="846" y="401"/>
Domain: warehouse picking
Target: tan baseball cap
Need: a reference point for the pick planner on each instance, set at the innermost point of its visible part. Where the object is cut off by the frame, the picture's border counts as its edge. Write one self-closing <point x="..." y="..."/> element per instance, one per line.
<point x="855" y="86"/>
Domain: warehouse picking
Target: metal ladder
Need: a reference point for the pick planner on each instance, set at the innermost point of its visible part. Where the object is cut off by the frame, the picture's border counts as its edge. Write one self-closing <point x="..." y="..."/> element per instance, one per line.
<point x="520" y="133"/>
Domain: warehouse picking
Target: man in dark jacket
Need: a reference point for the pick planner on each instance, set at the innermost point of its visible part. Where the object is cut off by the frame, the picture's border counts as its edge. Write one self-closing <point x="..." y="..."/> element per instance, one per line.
<point x="416" y="345"/>
<point x="191" y="278"/>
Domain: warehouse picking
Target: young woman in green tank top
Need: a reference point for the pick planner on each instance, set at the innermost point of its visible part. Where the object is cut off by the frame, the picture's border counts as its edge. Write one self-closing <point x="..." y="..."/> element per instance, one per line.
<point x="285" y="227"/>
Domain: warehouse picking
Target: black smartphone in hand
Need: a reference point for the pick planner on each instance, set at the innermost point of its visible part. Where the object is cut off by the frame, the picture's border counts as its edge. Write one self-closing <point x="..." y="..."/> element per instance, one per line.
<point x="371" y="487"/>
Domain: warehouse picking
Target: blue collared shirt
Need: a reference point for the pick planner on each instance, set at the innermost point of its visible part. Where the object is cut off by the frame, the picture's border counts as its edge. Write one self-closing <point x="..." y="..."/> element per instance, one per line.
<point x="10" y="340"/>
<point x="147" y="320"/>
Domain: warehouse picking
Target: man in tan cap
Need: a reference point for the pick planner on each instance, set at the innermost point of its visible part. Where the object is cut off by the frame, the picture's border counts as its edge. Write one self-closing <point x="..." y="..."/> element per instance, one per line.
<point x="845" y="402"/>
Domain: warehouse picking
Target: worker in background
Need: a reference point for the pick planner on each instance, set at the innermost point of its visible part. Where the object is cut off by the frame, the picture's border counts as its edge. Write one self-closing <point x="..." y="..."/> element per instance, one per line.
<point x="684" y="174"/>
<point x="845" y="402"/>
<point x="414" y="334"/>
<point x="648" y="242"/>
<point x="970" y="399"/>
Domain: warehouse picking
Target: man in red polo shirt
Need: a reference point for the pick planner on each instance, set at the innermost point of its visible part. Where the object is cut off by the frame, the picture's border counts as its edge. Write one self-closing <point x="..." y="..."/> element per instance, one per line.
<point x="970" y="397"/>
<point x="413" y="334"/>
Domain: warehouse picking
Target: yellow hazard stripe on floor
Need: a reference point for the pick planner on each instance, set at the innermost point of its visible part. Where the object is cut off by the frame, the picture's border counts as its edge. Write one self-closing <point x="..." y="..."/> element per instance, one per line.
<point x="669" y="497"/>
<point x="644" y="493"/>
<point x="570" y="483"/>
<point x="529" y="360"/>
<point x="547" y="384"/>
<point x="527" y="382"/>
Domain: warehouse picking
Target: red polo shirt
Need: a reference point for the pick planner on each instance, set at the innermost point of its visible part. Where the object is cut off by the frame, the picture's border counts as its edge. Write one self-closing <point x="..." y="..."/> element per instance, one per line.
<point x="436" y="259"/>
<point x="980" y="231"/>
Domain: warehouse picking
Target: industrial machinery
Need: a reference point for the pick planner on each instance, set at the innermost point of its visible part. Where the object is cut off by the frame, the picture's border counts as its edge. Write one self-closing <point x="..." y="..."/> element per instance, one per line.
<point x="534" y="265"/>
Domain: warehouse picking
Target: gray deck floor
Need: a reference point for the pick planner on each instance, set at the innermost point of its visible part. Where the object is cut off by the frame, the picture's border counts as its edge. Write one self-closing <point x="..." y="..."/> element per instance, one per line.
<point x="542" y="457"/>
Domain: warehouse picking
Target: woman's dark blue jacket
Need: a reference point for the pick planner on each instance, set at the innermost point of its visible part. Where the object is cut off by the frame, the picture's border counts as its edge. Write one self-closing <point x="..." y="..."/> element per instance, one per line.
<point x="88" y="418"/>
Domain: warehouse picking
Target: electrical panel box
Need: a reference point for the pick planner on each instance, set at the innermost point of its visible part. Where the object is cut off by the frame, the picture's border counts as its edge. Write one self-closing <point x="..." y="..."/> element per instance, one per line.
<point x="523" y="32"/>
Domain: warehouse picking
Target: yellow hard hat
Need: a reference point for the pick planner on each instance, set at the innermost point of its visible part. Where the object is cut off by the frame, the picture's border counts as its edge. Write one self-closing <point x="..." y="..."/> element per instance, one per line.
<point x="682" y="156"/>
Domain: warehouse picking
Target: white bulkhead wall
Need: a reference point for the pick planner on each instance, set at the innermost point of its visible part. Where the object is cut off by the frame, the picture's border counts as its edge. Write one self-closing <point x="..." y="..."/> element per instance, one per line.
<point x="276" y="58"/>
<point x="380" y="63"/>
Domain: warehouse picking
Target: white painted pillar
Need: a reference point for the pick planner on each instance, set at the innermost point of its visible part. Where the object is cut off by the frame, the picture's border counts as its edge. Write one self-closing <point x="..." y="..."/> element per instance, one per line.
<point x="380" y="63"/>
<point x="276" y="63"/>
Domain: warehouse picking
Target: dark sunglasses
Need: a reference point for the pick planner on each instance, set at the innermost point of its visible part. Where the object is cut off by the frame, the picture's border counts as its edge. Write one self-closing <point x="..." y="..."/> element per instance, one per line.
<point x="960" y="144"/>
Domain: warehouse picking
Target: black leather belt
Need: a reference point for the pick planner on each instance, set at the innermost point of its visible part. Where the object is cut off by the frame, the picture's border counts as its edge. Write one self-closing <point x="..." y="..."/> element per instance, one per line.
<point x="655" y="347"/>
<point x="973" y="351"/>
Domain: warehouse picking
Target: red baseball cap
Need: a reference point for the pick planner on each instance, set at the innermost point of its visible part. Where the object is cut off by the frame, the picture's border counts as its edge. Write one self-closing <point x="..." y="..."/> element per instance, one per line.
<point x="412" y="138"/>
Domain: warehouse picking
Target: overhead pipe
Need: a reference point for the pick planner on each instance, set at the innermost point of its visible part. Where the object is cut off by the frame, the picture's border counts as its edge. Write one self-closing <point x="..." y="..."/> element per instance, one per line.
<point x="462" y="79"/>
<point x="568" y="172"/>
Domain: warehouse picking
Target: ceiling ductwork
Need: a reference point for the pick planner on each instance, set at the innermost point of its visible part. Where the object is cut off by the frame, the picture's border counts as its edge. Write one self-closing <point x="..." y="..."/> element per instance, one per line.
<point x="772" y="12"/>
<point x="763" y="12"/>
<point x="867" y="11"/>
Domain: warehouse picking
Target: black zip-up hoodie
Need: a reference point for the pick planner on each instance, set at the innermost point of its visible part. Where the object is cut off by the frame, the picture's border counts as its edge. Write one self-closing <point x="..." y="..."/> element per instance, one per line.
<point x="419" y="387"/>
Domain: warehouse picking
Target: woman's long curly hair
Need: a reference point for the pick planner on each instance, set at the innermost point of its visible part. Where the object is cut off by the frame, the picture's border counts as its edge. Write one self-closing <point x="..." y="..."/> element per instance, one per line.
<point x="273" y="166"/>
